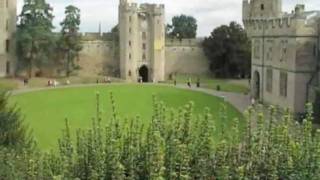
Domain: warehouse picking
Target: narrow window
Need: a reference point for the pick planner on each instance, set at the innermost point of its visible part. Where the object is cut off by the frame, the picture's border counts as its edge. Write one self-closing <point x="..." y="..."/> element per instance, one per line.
<point x="144" y="56"/>
<point x="283" y="84"/>
<point x="7" y="45"/>
<point x="144" y="35"/>
<point x="129" y="73"/>
<point x="130" y="30"/>
<point x="7" y="25"/>
<point x="7" y="3"/>
<point x="144" y="47"/>
<point x="130" y="18"/>
<point x="129" y="55"/>
<point x="130" y="43"/>
<point x="262" y="7"/>
<point x="8" y="67"/>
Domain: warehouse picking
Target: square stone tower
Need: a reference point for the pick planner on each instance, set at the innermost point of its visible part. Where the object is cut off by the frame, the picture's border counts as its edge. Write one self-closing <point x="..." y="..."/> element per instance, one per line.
<point x="142" y="41"/>
<point x="8" y="18"/>
<point x="285" y="53"/>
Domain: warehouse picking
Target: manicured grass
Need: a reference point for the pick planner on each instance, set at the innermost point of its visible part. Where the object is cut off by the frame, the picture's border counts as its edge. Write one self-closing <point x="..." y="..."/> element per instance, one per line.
<point x="45" y="111"/>
<point x="227" y="85"/>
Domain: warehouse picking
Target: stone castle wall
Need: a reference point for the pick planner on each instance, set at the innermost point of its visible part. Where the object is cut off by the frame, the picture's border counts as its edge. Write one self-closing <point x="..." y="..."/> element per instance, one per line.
<point x="285" y="52"/>
<point x="7" y="31"/>
<point x="182" y="57"/>
<point x="185" y="57"/>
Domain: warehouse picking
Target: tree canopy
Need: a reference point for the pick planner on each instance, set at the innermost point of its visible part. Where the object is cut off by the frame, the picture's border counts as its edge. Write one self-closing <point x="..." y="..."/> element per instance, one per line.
<point x="35" y="40"/>
<point x="70" y="42"/>
<point x="182" y="26"/>
<point x="229" y="50"/>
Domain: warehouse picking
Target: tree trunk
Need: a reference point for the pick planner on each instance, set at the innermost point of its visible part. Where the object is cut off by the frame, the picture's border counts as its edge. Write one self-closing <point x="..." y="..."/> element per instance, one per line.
<point x="68" y="64"/>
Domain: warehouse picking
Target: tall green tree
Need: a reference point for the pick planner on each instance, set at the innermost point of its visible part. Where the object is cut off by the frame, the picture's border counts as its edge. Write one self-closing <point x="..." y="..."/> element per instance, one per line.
<point x="229" y="51"/>
<point x="70" y="42"/>
<point x="35" y="40"/>
<point x="13" y="132"/>
<point x="182" y="26"/>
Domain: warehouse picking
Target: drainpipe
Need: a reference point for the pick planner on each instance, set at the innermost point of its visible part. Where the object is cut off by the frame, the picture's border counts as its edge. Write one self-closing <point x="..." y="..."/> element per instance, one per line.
<point x="263" y="65"/>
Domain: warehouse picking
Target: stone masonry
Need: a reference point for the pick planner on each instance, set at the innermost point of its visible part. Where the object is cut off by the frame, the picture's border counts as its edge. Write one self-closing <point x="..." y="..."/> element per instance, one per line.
<point x="285" y="52"/>
<point x="8" y="13"/>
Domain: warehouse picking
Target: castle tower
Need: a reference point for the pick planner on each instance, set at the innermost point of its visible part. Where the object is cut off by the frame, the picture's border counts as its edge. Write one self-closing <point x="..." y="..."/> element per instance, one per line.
<point x="142" y="41"/>
<point x="254" y="9"/>
<point x="8" y="11"/>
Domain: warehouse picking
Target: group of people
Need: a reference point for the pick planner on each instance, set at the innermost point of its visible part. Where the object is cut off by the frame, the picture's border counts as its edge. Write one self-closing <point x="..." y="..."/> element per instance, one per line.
<point x="106" y="79"/>
<point x="189" y="82"/>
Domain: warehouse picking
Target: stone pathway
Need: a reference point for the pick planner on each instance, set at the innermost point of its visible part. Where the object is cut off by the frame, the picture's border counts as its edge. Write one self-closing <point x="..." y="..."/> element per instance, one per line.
<point x="239" y="101"/>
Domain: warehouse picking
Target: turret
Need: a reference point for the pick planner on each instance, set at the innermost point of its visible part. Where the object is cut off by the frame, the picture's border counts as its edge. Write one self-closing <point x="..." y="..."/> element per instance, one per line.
<point x="256" y="9"/>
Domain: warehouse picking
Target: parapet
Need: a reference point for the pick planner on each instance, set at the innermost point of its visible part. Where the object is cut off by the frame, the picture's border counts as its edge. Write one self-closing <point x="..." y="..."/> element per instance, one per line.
<point x="93" y="36"/>
<point x="184" y="42"/>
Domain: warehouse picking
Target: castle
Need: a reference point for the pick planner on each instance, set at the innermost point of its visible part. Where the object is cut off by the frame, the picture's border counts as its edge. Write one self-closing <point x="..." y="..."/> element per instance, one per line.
<point x="285" y="53"/>
<point x="7" y="31"/>
<point x="142" y="41"/>
<point x="144" y="50"/>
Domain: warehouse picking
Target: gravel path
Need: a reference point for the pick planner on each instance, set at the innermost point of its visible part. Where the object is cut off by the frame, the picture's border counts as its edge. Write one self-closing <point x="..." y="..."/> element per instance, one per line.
<point x="239" y="101"/>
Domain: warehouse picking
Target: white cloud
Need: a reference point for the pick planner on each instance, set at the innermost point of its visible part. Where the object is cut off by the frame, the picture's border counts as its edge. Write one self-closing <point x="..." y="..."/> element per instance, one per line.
<point x="209" y="13"/>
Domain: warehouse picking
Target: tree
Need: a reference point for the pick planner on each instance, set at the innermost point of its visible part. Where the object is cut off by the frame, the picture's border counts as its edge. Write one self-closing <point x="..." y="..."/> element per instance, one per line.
<point x="229" y="51"/>
<point x="182" y="26"/>
<point x="35" y="40"/>
<point x="13" y="132"/>
<point x="70" y="42"/>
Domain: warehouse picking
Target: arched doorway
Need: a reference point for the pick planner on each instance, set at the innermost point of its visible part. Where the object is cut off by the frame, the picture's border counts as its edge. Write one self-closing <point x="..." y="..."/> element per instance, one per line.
<point x="256" y="85"/>
<point x="144" y="73"/>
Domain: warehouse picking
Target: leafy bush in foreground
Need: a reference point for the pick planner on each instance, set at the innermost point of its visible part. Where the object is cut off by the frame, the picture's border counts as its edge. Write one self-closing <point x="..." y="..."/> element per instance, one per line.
<point x="177" y="145"/>
<point x="13" y="132"/>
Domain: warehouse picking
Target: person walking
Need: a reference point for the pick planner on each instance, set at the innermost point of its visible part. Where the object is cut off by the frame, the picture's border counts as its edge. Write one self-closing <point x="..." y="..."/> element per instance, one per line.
<point x="198" y="82"/>
<point x="189" y="83"/>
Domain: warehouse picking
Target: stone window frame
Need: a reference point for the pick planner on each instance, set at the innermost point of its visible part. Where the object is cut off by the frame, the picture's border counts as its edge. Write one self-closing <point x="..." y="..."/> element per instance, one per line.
<point x="7" y="25"/>
<point x="7" y="45"/>
<point x="270" y="44"/>
<point x="269" y="82"/>
<point x="283" y="84"/>
<point x="144" y="46"/>
<point x="144" y="35"/>
<point x="256" y="49"/>
<point x="283" y="50"/>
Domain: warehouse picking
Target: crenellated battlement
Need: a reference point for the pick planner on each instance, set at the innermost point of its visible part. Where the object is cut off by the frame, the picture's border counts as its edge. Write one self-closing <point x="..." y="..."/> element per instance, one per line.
<point x="184" y="42"/>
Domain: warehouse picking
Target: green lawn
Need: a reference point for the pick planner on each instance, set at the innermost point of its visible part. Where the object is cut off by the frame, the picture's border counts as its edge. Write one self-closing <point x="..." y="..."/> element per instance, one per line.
<point x="227" y="85"/>
<point x="45" y="111"/>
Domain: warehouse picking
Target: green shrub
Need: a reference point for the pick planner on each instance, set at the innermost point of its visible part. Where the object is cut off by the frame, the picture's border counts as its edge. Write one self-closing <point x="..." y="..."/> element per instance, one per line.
<point x="13" y="132"/>
<point x="177" y="145"/>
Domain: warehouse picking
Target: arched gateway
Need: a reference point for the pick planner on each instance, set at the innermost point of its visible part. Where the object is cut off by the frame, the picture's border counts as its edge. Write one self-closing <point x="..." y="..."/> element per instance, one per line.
<point x="144" y="73"/>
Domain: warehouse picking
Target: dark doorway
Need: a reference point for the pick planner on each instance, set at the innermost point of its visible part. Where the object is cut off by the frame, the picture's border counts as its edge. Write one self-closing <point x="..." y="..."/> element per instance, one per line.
<point x="144" y="73"/>
<point x="256" y="85"/>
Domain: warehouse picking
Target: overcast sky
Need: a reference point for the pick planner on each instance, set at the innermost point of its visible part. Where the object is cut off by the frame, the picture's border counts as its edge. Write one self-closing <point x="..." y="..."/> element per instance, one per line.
<point x="209" y="13"/>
